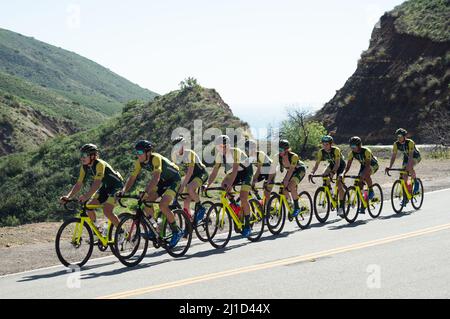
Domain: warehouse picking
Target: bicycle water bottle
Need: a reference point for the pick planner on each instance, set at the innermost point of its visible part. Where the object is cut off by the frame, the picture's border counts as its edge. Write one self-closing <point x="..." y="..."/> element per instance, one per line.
<point x="105" y="229"/>
<point x="409" y="186"/>
<point x="366" y="196"/>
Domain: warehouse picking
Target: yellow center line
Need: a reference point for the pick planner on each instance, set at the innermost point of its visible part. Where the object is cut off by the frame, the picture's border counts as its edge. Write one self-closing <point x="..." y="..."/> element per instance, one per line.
<point x="281" y="262"/>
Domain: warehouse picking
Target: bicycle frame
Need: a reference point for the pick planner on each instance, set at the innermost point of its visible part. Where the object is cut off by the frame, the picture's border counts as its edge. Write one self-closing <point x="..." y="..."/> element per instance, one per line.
<point x="333" y="202"/>
<point x="360" y="194"/>
<point x="86" y="219"/>
<point x="405" y="190"/>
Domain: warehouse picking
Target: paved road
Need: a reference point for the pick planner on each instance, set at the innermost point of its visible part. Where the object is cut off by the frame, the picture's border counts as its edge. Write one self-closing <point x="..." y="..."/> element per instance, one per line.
<point x="395" y="256"/>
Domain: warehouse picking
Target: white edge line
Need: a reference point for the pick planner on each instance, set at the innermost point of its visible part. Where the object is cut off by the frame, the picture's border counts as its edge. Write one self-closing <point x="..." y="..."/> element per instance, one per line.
<point x="111" y="256"/>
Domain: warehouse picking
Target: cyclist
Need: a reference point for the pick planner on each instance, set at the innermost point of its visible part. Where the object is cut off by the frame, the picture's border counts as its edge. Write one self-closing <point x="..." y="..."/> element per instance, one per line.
<point x="164" y="184"/>
<point x="296" y="171"/>
<point x="263" y="168"/>
<point x="106" y="183"/>
<point x="239" y="170"/>
<point x="196" y="175"/>
<point x="334" y="157"/>
<point x="411" y="156"/>
<point x="369" y="164"/>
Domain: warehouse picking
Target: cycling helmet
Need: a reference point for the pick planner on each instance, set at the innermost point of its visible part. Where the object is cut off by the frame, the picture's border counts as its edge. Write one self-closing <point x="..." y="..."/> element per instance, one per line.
<point x="327" y="139"/>
<point x="89" y="149"/>
<point x="355" y="140"/>
<point x="401" y="131"/>
<point x="144" y="145"/>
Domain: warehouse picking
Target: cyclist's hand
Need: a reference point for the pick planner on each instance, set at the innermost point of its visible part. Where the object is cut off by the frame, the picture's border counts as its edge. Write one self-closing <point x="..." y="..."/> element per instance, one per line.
<point x="386" y="170"/>
<point x="119" y="194"/>
<point x="64" y="199"/>
<point x="83" y="199"/>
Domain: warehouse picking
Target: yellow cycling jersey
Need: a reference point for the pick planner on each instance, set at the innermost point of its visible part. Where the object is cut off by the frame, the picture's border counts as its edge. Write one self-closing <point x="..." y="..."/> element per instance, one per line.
<point x="332" y="157"/>
<point x="364" y="155"/>
<point x="233" y="156"/>
<point x="158" y="163"/>
<point x="406" y="148"/>
<point x="101" y="171"/>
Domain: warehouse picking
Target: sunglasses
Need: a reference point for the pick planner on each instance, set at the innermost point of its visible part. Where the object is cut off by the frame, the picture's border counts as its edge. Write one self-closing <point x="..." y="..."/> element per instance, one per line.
<point x="353" y="146"/>
<point x="84" y="155"/>
<point x="139" y="152"/>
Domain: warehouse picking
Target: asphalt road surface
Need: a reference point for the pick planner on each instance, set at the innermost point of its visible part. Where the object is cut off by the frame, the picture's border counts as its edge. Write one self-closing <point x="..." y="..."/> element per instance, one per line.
<point x="394" y="256"/>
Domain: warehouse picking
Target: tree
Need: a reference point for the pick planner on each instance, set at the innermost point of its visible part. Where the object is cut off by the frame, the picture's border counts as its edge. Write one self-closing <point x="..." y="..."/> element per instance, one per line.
<point x="189" y="83"/>
<point x="303" y="133"/>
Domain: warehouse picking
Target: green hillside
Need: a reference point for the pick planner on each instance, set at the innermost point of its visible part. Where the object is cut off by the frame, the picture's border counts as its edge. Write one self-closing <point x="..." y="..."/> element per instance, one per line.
<point x="77" y="78"/>
<point x="30" y="183"/>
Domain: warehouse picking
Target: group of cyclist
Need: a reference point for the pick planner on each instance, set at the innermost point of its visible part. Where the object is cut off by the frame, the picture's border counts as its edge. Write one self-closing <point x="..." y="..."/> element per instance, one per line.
<point x="166" y="180"/>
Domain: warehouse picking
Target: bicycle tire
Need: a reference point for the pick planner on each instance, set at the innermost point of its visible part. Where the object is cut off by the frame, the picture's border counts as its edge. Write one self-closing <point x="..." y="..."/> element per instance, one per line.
<point x="304" y="223"/>
<point x="259" y="216"/>
<point x="422" y="195"/>
<point x="321" y="219"/>
<point x="212" y="230"/>
<point x="140" y="227"/>
<point x="381" y="199"/>
<point x="58" y="244"/>
<point x="395" y="197"/>
<point x="277" y="228"/>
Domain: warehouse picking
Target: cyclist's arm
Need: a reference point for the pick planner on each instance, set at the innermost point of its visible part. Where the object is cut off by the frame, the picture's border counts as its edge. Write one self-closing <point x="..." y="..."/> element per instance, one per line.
<point x="133" y="177"/>
<point x="256" y="176"/>
<point x="318" y="160"/>
<point x="233" y="174"/>
<point x="77" y="187"/>
<point x="187" y="177"/>
<point x="394" y="155"/>
<point x="349" y="165"/>
<point x="94" y="188"/>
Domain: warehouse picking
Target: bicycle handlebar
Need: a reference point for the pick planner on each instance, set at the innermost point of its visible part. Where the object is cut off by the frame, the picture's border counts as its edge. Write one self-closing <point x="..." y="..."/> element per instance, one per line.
<point x="401" y="170"/>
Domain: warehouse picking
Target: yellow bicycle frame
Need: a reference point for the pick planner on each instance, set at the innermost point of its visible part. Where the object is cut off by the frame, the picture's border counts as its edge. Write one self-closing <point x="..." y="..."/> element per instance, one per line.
<point x="79" y="227"/>
<point x="359" y="193"/>
<point x="333" y="202"/>
<point x="409" y="195"/>
<point x="226" y="207"/>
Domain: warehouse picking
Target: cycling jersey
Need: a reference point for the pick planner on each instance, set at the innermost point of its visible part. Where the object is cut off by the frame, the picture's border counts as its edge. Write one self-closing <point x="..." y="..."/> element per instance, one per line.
<point x="112" y="181"/>
<point x="191" y="159"/>
<point x="233" y="156"/>
<point x="293" y="161"/>
<point x="158" y="163"/>
<point x="364" y="155"/>
<point x="263" y="161"/>
<point x="405" y="148"/>
<point x="101" y="171"/>
<point x="331" y="157"/>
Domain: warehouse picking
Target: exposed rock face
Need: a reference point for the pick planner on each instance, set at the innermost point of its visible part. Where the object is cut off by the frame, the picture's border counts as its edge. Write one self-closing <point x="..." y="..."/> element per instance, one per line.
<point x="402" y="80"/>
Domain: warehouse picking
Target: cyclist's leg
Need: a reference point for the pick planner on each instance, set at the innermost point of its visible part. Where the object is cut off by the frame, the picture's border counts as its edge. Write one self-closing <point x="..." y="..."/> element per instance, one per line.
<point x="327" y="172"/>
<point x="91" y="213"/>
<point x="108" y="201"/>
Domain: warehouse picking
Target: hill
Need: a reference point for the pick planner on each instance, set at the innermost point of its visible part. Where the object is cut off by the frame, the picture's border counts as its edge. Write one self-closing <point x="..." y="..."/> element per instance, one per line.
<point x="402" y="80"/>
<point x="31" y="183"/>
<point x="59" y="84"/>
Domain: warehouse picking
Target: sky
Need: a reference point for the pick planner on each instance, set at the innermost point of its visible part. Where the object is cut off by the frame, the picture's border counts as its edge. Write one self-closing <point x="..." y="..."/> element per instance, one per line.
<point x="263" y="57"/>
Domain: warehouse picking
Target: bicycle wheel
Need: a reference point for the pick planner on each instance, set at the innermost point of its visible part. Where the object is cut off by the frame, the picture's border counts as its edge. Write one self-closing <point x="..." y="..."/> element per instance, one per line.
<point x="321" y="205"/>
<point x="306" y="210"/>
<point x="200" y="229"/>
<point x="275" y="214"/>
<point x="352" y="204"/>
<point x="220" y="228"/>
<point x="397" y="197"/>
<point x="74" y="243"/>
<point x="417" y="199"/>
<point x="184" y="223"/>
<point x="257" y="220"/>
<point x="376" y="203"/>
<point x="129" y="244"/>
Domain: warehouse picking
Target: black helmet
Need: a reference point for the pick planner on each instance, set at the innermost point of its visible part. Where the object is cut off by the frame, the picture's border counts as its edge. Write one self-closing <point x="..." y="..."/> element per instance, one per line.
<point x="355" y="140"/>
<point x="250" y="144"/>
<point x="89" y="149"/>
<point x="222" y="140"/>
<point x="327" y="139"/>
<point x="284" y="144"/>
<point x="401" y="131"/>
<point x="177" y="140"/>
<point x="143" y="145"/>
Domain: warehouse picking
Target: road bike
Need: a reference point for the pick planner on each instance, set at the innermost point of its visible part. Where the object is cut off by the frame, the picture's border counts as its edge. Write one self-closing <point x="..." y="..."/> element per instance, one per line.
<point x="402" y="194"/>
